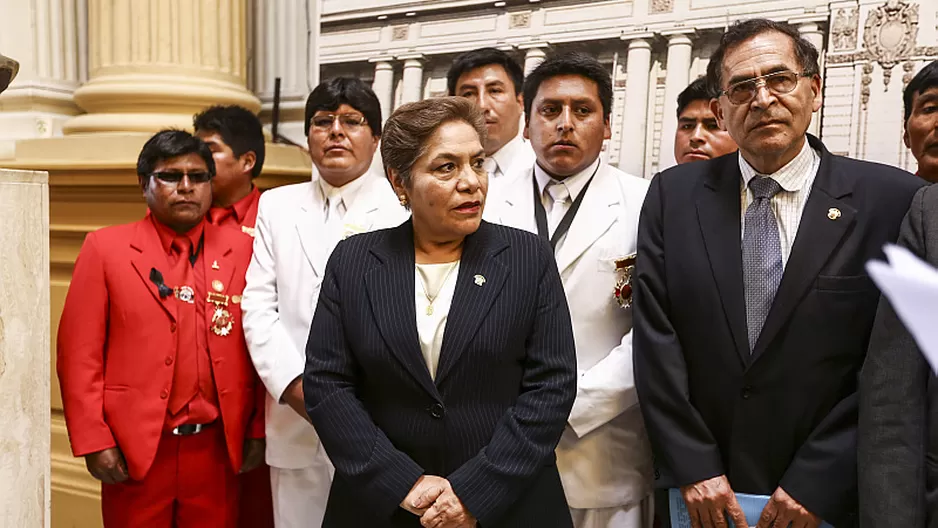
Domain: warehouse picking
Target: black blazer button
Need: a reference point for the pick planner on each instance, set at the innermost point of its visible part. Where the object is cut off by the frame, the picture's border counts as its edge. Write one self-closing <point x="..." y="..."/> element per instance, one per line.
<point x="436" y="411"/>
<point x="747" y="392"/>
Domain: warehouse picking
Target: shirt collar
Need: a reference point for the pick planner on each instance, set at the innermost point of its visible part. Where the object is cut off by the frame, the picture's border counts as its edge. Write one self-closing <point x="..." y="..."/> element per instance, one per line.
<point x="166" y="234"/>
<point x="348" y="192"/>
<point x="791" y="177"/>
<point x="242" y="206"/>
<point x="509" y="151"/>
<point x="574" y="184"/>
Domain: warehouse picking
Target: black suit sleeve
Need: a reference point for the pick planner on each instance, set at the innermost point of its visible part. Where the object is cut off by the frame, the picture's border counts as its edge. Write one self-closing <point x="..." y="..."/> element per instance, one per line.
<point x="358" y="449"/>
<point x="682" y="442"/>
<point x="893" y="410"/>
<point x="524" y="439"/>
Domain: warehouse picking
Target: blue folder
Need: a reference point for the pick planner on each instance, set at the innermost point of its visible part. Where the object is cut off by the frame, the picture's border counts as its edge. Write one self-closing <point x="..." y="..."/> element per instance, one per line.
<point x="752" y="506"/>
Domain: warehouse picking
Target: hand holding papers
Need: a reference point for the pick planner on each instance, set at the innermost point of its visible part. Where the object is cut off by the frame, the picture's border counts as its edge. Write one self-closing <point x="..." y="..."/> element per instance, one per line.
<point x="752" y="506"/>
<point x="911" y="286"/>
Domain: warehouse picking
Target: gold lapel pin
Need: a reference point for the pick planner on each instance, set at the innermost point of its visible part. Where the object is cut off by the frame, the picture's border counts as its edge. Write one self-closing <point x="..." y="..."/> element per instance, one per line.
<point x="479" y="280"/>
<point x="215" y="265"/>
<point x="833" y="213"/>
<point x="217" y="285"/>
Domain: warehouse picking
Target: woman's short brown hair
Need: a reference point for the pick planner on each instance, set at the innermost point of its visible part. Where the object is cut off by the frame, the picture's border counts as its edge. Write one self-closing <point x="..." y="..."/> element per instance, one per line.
<point x="409" y="128"/>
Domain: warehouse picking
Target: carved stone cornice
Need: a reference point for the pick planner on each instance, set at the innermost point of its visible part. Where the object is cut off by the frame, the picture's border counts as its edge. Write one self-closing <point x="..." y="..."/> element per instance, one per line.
<point x="890" y="34"/>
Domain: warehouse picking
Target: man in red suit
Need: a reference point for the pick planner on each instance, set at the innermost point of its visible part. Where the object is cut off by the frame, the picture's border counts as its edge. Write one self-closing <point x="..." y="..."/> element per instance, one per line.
<point x="236" y="138"/>
<point x="159" y="392"/>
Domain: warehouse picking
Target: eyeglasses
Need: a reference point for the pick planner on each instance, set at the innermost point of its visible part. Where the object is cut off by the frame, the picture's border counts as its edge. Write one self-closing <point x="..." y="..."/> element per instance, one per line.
<point x="350" y="122"/>
<point x="779" y="83"/>
<point x="174" y="177"/>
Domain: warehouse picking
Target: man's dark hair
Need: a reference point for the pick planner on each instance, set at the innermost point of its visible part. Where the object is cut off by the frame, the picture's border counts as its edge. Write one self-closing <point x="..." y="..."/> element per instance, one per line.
<point x="332" y="94"/>
<point x="699" y="90"/>
<point x="924" y="80"/>
<point x="478" y="58"/>
<point x="570" y="63"/>
<point x="744" y="30"/>
<point x="238" y="127"/>
<point x="168" y="144"/>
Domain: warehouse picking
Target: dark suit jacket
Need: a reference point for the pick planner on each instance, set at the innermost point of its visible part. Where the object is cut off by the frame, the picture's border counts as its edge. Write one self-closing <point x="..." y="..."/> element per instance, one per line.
<point x="504" y="386"/>
<point x="898" y="436"/>
<point x="786" y="415"/>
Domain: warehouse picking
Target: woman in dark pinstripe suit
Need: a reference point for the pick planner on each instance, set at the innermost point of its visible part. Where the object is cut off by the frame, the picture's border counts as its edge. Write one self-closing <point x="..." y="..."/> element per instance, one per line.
<point x="440" y="364"/>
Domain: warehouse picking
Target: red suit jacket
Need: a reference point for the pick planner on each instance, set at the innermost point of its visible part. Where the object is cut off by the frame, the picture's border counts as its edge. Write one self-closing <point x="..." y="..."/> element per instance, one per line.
<point x="116" y="345"/>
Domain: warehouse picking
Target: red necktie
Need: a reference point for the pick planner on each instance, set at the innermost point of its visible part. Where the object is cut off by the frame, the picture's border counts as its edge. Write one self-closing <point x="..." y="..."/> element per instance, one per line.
<point x="186" y="370"/>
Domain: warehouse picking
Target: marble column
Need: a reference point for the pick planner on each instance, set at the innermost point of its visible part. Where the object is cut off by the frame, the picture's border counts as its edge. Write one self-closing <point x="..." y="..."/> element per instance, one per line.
<point x="815" y="35"/>
<point x="533" y="57"/>
<point x="635" y="113"/>
<point x="154" y="63"/>
<point x="285" y="33"/>
<point x="383" y="84"/>
<point x="412" y="78"/>
<point x="677" y="78"/>
<point x="24" y="349"/>
<point x="48" y="38"/>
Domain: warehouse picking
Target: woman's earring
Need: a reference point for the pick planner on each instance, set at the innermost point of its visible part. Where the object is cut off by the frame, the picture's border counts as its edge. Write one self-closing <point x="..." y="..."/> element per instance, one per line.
<point x="403" y="200"/>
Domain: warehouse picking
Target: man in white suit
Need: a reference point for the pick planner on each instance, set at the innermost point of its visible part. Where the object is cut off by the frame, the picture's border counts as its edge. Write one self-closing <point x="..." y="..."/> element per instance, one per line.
<point x="589" y="211"/>
<point x="297" y="228"/>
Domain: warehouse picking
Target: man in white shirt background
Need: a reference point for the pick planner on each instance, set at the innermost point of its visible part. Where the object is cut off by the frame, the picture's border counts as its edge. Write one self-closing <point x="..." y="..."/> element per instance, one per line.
<point x="297" y="228"/>
<point x="589" y="211"/>
<point x="493" y="80"/>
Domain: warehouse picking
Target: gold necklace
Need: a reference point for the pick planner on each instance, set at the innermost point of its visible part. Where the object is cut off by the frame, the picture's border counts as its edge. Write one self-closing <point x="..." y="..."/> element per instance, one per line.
<point x="423" y="284"/>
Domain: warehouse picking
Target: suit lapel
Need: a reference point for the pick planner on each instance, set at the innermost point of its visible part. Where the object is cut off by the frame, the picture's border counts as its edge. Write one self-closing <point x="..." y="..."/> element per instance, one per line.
<point x="310" y="223"/>
<point x="594" y="217"/>
<point x="816" y="239"/>
<point x="361" y="217"/>
<point x="390" y="288"/>
<point x="718" y="214"/>
<point x="516" y="207"/>
<point x="150" y="256"/>
<point x="473" y="296"/>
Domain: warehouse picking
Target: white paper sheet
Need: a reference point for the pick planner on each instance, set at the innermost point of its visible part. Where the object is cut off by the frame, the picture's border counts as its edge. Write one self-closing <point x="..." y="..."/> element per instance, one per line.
<point x="911" y="286"/>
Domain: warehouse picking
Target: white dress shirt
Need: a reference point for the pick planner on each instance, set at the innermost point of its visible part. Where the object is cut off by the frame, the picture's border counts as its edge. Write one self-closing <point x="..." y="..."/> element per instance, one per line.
<point x="574" y="185"/>
<point x="438" y="281"/>
<point x="796" y="179"/>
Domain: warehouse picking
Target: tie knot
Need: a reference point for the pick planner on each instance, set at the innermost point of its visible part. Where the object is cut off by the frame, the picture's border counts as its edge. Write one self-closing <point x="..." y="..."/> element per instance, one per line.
<point x="558" y="191"/>
<point x="181" y="245"/>
<point x="764" y="187"/>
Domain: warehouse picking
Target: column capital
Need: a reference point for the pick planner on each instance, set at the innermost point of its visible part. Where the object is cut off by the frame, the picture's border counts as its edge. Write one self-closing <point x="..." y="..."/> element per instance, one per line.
<point x="382" y="58"/>
<point x="533" y="45"/>
<point x="639" y="39"/>
<point x="408" y="57"/>
<point x="507" y="48"/>
<point x="679" y="32"/>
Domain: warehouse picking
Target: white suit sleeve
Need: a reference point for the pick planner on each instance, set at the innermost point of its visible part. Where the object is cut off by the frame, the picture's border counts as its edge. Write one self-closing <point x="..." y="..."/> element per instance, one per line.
<point x="604" y="391"/>
<point x="275" y="357"/>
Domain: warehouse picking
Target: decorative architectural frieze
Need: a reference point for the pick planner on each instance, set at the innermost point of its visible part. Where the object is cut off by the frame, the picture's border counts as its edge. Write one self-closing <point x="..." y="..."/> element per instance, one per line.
<point x="662" y="6"/>
<point x="399" y="33"/>
<point x="844" y="29"/>
<point x="520" y="20"/>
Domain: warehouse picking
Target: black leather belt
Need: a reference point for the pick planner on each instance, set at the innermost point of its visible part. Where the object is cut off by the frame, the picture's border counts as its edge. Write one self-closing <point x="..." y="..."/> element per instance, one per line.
<point x="190" y="429"/>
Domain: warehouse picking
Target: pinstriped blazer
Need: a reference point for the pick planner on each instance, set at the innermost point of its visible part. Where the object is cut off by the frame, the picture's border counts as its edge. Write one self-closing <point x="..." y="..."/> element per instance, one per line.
<point x="504" y="386"/>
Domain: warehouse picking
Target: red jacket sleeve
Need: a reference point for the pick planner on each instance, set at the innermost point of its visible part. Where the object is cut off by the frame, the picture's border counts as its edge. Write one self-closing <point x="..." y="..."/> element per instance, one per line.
<point x="80" y="345"/>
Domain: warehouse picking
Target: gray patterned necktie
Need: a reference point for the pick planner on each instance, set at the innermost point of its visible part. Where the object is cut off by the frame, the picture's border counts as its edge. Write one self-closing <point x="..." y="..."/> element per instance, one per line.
<point x="762" y="255"/>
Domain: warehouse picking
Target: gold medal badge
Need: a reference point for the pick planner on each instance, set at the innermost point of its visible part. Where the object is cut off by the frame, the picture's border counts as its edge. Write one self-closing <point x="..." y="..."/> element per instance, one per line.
<point x="625" y="269"/>
<point x="222" y="321"/>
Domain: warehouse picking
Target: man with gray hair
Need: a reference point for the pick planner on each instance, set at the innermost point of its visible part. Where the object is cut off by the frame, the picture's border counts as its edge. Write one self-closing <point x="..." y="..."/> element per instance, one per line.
<point x="753" y="309"/>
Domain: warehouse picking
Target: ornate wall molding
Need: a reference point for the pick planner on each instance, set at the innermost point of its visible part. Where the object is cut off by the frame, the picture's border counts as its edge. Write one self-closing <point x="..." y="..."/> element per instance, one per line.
<point x="520" y="20"/>
<point x="662" y="6"/>
<point x="890" y="34"/>
<point x="844" y="29"/>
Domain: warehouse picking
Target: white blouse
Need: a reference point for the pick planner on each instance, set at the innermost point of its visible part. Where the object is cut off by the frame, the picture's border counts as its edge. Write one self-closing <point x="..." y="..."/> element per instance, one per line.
<point x="436" y="282"/>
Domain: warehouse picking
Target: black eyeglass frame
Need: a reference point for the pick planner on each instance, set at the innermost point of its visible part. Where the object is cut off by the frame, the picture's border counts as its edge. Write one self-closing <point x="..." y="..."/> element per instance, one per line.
<point x="174" y="177"/>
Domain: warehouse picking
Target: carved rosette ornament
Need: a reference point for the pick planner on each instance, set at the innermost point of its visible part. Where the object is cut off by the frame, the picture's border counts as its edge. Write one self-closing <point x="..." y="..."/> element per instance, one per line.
<point x="890" y="34"/>
<point x="662" y="6"/>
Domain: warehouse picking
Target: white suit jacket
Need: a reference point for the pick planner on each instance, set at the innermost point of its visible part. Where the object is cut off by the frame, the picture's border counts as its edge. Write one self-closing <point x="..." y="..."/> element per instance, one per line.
<point x="282" y="290"/>
<point x="604" y="456"/>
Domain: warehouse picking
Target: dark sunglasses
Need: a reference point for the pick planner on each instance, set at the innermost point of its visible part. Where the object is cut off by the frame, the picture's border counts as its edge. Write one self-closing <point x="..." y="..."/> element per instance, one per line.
<point x="174" y="177"/>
